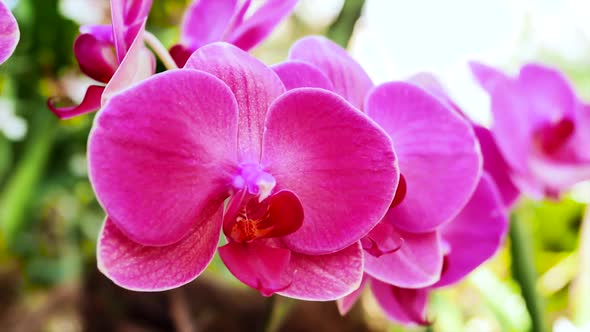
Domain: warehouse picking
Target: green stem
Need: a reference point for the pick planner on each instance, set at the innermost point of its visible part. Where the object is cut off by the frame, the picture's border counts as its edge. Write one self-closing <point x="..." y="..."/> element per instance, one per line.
<point x="341" y="30"/>
<point x="21" y="187"/>
<point x="524" y="271"/>
<point x="154" y="43"/>
<point x="280" y="307"/>
<point x="580" y="290"/>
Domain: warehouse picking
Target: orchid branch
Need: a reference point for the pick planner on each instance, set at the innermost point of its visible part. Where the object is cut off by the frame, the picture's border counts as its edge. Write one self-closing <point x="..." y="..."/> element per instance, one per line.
<point x="154" y="43"/>
<point x="524" y="272"/>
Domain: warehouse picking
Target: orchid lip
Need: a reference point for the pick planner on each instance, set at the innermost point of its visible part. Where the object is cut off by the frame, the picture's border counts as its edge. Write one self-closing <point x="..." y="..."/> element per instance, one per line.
<point x="254" y="211"/>
<point x="551" y="137"/>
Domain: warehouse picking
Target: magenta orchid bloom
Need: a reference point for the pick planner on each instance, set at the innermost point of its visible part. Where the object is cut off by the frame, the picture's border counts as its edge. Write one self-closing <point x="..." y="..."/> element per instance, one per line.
<point x="207" y="21"/>
<point x="439" y="160"/>
<point x="111" y="54"/>
<point x="470" y="239"/>
<point x="9" y="33"/>
<point x="542" y="130"/>
<point x="304" y="177"/>
<point x="493" y="161"/>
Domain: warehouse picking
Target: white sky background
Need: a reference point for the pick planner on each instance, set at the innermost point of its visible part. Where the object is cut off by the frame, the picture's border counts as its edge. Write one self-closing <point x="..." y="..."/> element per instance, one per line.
<point x="397" y="38"/>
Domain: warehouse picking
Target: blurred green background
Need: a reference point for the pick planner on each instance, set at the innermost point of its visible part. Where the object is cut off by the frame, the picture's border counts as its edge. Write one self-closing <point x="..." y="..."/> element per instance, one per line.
<point x="49" y="218"/>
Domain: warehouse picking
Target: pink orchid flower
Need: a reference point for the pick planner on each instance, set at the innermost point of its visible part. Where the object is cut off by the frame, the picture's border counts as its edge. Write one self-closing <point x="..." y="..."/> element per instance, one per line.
<point x="304" y="177"/>
<point x="493" y="161"/>
<point x="111" y="54"/>
<point x="207" y="21"/>
<point x="9" y="33"/>
<point x="470" y="239"/>
<point x="439" y="160"/>
<point x="541" y="128"/>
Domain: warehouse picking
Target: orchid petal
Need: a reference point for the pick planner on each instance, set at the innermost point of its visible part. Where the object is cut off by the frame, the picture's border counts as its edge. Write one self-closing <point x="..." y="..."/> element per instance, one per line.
<point x="298" y="74"/>
<point x="95" y="57"/>
<point x="257" y="27"/>
<point x="325" y="277"/>
<point x="475" y="234"/>
<point x="346" y="303"/>
<point x="9" y="33"/>
<point x="205" y="21"/>
<point x="550" y="95"/>
<point x="90" y="103"/>
<point x="348" y="77"/>
<point x="161" y="151"/>
<point x="254" y="85"/>
<point x="488" y="77"/>
<point x="137" y="65"/>
<point x="407" y="306"/>
<point x="495" y="165"/>
<point x="136" y="10"/>
<point x="338" y="162"/>
<point x="119" y="29"/>
<point x="258" y="266"/>
<point x="418" y="262"/>
<point x="101" y="32"/>
<point x="438" y="154"/>
<point x="142" y="268"/>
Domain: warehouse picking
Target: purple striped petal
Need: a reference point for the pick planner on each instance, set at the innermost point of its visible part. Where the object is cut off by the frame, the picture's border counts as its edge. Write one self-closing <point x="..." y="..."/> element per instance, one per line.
<point x="90" y="103"/>
<point x="407" y="306"/>
<point x="325" y="277"/>
<point x="417" y="263"/>
<point x="349" y="79"/>
<point x="205" y="21"/>
<point x="338" y="162"/>
<point x="143" y="268"/>
<point x="298" y="74"/>
<point x="254" y="85"/>
<point x="438" y="153"/>
<point x="258" y="26"/>
<point x="475" y="234"/>
<point x="161" y="151"/>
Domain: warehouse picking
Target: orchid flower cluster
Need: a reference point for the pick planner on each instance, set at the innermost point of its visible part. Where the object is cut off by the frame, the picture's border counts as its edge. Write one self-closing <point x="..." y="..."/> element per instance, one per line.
<point x="309" y="180"/>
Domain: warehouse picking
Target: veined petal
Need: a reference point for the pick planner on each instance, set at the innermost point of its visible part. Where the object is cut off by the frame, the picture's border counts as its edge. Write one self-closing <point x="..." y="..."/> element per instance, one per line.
<point x="338" y="162"/>
<point x="438" y="154"/>
<point x="407" y="306"/>
<point x="90" y="103"/>
<point x="136" y="10"/>
<point x="161" y="151"/>
<point x="258" y="266"/>
<point x="495" y="165"/>
<point x="298" y="74"/>
<point x="95" y="57"/>
<point x="258" y="26"/>
<point x="348" y="77"/>
<point x="119" y="28"/>
<point x="418" y="262"/>
<point x="254" y="85"/>
<point x="138" y="64"/>
<point x="346" y="303"/>
<point x="475" y="234"/>
<point x="143" y="268"/>
<point x="205" y="21"/>
<point x="9" y="33"/>
<point x="325" y="277"/>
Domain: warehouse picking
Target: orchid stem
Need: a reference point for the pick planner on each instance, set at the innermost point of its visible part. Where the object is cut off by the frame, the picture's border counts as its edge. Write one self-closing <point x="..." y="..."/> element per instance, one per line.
<point x="580" y="288"/>
<point x="154" y="43"/>
<point x="280" y="307"/>
<point x="341" y="30"/>
<point x="524" y="271"/>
